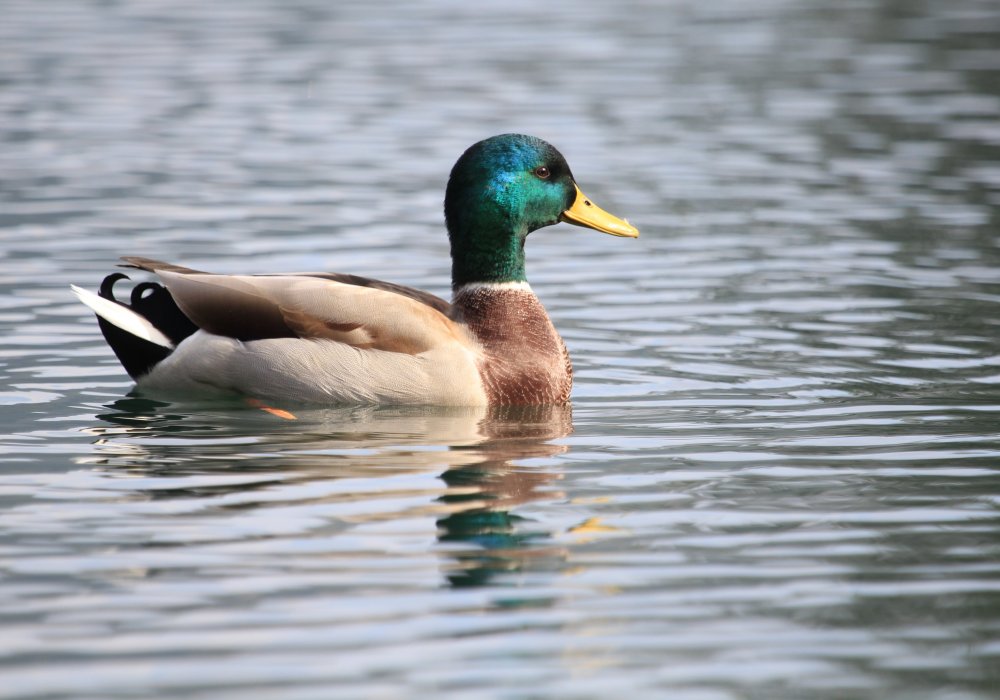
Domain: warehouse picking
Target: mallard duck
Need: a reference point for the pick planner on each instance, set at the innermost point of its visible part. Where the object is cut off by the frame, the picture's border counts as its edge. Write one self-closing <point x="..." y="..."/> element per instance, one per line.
<point x="338" y="338"/>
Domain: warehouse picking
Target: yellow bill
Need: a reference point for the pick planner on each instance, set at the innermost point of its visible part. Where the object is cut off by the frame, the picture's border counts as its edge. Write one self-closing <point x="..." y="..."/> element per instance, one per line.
<point x="586" y="213"/>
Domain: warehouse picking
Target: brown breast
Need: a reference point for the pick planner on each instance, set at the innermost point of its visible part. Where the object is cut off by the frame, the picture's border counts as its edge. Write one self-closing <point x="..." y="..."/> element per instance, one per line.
<point x="525" y="360"/>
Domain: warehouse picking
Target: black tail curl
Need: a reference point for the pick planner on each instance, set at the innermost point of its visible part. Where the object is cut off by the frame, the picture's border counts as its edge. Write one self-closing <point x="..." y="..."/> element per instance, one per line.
<point x="154" y="303"/>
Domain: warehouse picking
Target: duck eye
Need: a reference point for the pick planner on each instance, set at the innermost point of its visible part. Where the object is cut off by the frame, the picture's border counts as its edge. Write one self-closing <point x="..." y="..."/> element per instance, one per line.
<point x="542" y="172"/>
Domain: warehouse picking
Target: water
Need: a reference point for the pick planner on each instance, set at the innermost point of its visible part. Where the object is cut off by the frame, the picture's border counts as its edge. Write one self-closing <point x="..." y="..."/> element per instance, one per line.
<point x="778" y="477"/>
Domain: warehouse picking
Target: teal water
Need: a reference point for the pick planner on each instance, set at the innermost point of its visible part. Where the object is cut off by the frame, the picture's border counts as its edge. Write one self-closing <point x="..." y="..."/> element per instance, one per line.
<point x="780" y="474"/>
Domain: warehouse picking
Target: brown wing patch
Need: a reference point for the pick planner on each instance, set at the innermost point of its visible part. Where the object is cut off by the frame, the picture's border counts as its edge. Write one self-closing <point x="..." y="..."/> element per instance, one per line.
<point x="356" y="335"/>
<point x="235" y="310"/>
<point x="341" y="327"/>
<point x="306" y="325"/>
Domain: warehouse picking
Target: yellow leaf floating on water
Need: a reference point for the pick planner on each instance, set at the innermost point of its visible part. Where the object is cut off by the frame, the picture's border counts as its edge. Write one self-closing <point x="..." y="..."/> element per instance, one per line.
<point x="593" y="525"/>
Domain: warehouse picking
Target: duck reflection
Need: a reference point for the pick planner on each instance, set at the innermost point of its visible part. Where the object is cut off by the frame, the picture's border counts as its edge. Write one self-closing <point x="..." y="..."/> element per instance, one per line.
<point x="480" y="453"/>
<point x="483" y="493"/>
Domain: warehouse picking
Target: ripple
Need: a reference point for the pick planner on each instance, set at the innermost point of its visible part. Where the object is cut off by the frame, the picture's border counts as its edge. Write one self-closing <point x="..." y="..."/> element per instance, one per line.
<point x="779" y="474"/>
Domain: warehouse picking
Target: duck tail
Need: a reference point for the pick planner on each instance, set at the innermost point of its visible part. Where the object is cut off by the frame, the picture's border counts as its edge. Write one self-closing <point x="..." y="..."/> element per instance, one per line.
<point x="143" y="332"/>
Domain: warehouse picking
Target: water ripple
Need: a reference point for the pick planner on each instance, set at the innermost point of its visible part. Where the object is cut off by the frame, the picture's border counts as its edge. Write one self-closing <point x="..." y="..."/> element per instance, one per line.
<point x="778" y="478"/>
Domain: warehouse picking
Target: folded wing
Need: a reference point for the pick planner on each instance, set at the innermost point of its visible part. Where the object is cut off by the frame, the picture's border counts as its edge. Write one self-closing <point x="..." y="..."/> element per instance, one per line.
<point x="251" y="307"/>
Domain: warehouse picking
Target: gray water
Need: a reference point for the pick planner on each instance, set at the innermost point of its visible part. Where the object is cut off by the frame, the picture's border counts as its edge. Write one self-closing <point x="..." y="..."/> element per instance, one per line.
<point x="779" y="475"/>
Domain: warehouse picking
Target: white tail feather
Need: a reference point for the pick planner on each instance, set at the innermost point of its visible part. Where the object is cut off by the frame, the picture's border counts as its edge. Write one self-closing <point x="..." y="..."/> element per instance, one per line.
<point x="122" y="317"/>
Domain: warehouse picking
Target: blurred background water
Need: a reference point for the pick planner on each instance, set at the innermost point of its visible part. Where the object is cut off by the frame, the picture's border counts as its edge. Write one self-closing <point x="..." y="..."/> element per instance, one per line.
<point x="779" y="476"/>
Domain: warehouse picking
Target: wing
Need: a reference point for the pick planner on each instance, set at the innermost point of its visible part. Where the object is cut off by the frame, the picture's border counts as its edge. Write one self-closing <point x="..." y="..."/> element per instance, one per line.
<point x="375" y="315"/>
<point x="420" y="295"/>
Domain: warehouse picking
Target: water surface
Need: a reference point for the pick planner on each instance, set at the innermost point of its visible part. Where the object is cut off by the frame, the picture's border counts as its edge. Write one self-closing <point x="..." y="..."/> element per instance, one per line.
<point x="779" y="475"/>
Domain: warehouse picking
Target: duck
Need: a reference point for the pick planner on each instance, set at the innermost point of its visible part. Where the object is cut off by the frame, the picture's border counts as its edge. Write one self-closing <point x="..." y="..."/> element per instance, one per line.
<point x="336" y="339"/>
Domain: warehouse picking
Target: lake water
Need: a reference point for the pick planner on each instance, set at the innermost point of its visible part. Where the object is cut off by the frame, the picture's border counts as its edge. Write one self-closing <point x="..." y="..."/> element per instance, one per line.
<point x="780" y="474"/>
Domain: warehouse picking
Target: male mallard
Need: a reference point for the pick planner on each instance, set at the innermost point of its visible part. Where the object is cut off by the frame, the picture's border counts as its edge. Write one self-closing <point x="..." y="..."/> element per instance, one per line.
<point x="334" y="338"/>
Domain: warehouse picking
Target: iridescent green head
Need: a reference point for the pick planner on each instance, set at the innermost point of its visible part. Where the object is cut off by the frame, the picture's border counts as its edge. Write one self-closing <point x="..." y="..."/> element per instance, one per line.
<point x="502" y="189"/>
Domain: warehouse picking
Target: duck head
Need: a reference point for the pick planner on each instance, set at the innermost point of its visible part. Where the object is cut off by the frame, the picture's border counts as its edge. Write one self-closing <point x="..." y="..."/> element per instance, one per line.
<point x="502" y="189"/>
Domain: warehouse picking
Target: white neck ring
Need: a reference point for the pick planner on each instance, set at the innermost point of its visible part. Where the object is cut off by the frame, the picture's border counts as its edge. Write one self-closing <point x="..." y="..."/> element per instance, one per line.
<point x="520" y="286"/>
